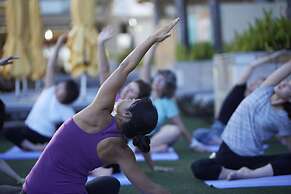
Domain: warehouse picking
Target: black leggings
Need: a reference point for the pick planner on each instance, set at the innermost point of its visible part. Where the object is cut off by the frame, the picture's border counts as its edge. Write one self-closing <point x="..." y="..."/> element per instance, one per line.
<point x="104" y="184"/>
<point x="101" y="185"/>
<point x="209" y="169"/>
<point x="18" y="135"/>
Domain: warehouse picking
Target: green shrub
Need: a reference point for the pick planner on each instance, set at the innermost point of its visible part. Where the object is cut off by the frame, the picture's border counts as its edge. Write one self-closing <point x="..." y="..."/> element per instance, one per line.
<point x="198" y="51"/>
<point x="266" y="34"/>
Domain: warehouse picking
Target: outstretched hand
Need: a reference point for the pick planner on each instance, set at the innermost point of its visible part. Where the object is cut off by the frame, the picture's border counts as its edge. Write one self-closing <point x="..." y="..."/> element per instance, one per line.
<point x="164" y="32"/>
<point x="7" y="60"/>
<point x="106" y="34"/>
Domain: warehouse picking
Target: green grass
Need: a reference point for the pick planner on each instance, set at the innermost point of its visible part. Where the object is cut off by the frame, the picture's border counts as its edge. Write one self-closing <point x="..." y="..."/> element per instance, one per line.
<point x="178" y="182"/>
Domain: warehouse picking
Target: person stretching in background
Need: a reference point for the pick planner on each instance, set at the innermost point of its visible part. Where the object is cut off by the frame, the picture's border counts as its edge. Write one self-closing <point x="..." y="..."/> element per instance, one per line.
<point x="170" y="125"/>
<point x="261" y="115"/>
<point x="133" y="90"/>
<point x="53" y="106"/>
<point x="212" y="136"/>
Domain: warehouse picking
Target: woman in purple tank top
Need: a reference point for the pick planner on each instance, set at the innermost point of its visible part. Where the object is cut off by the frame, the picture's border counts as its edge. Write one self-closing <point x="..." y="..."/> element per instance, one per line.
<point x="94" y="138"/>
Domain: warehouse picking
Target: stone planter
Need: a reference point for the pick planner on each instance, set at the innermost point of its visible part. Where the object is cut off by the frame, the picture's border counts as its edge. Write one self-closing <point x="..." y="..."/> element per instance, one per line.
<point x="195" y="87"/>
<point x="194" y="76"/>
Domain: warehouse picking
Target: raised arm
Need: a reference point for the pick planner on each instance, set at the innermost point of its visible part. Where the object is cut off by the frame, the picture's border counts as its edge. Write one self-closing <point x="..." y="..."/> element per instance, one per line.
<point x="50" y="71"/>
<point x="105" y="97"/>
<point x="151" y="164"/>
<point x="256" y="63"/>
<point x="104" y="69"/>
<point x="146" y="69"/>
<point x="7" y="60"/>
<point x="279" y="75"/>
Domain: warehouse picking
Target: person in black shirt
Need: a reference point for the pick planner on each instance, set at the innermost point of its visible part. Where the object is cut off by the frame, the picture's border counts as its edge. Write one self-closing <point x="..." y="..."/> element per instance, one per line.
<point x="211" y="136"/>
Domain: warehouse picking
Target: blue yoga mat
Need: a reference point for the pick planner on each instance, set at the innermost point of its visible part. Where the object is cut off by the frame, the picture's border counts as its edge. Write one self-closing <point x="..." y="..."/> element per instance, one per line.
<point x="16" y="153"/>
<point x="255" y="182"/>
<point x="169" y="155"/>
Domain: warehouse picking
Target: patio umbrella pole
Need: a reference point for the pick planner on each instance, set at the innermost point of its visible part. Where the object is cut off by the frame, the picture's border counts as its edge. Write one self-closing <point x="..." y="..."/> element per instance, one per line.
<point x="17" y="87"/>
<point x="24" y="86"/>
<point x="37" y="85"/>
<point x="83" y="89"/>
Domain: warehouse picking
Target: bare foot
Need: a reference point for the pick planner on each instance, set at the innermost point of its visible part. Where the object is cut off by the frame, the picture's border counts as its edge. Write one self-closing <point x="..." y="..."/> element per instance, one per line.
<point x="242" y="173"/>
<point x="199" y="147"/>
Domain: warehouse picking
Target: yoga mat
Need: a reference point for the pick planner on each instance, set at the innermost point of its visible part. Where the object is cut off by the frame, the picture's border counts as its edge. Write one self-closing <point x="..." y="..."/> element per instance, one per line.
<point x="170" y="155"/>
<point x="255" y="182"/>
<point x="120" y="176"/>
<point x="15" y="153"/>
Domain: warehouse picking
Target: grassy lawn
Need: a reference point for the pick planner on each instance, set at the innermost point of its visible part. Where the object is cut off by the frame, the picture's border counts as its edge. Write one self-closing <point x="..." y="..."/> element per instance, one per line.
<point x="178" y="182"/>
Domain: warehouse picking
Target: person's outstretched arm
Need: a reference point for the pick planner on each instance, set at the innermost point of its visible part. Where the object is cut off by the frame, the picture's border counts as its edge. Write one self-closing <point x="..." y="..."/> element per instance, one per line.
<point x="151" y="164"/>
<point x="50" y="71"/>
<point x="105" y="98"/>
<point x="256" y="63"/>
<point x="126" y="160"/>
<point x="104" y="69"/>
<point x="277" y="76"/>
<point x="7" y="60"/>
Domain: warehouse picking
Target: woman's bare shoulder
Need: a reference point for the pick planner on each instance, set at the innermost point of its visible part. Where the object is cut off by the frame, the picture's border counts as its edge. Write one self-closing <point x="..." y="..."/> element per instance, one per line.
<point x="92" y="122"/>
<point x="110" y="149"/>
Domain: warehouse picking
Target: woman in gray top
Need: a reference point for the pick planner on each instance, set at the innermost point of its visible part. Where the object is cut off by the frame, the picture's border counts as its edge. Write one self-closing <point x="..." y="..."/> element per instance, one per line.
<point x="263" y="114"/>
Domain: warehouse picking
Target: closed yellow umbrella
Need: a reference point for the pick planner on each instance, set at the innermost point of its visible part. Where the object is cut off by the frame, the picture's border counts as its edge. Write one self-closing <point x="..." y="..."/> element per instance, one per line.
<point x="82" y="39"/>
<point x="17" y="39"/>
<point x="36" y="41"/>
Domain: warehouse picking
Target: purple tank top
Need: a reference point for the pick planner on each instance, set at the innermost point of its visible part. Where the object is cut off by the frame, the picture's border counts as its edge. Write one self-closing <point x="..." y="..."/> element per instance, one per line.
<point x="67" y="160"/>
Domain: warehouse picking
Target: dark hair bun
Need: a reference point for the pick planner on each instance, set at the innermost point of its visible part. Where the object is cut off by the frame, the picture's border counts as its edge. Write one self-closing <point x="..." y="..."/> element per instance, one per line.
<point x="143" y="120"/>
<point x="142" y="142"/>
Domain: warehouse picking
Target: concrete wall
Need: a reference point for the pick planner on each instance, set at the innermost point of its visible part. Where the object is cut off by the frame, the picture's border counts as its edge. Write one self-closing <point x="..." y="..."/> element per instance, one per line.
<point x="194" y="76"/>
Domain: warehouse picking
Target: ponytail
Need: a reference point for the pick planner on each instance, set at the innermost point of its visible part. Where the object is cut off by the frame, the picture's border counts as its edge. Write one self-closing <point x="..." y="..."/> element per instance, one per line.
<point x="142" y="142"/>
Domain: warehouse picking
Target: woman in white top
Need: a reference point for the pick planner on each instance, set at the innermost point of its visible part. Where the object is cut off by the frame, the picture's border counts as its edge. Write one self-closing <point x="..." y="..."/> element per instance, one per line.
<point x="52" y="107"/>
